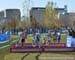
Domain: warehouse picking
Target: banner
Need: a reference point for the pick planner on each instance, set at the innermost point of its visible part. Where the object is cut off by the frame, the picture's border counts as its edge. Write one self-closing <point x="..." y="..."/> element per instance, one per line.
<point x="4" y="37"/>
<point x="73" y="42"/>
<point x="69" y="41"/>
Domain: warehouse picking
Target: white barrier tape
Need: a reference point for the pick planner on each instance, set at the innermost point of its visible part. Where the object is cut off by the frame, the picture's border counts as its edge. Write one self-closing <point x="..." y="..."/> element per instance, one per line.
<point x="7" y="45"/>
<point x="4" y="41"/>
<point x="4" y="46"/>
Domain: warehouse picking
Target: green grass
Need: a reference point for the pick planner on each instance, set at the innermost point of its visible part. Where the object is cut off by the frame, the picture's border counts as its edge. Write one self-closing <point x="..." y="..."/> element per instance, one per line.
<point x="6" y="55"/>
<point x="4" y="44"/>
<point x="29" y="38"/>
<point x="5" y="51"/>
<point x="60" y="55"/>
<point x="13" y="38"/>
<point x="32" y="56"/>
<point x="14" y="56"/>
<point x="19" y="56"/>
<point x="63" y="37"/>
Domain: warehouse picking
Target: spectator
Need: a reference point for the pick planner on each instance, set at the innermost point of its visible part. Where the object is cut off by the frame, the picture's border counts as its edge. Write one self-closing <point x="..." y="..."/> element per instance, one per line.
<point x="45" y="41"/>
<point x="49" y="37"/>
<point x="58" y="37"/>
<point x="37" y="39"/>
<point x="33" y="40"/>
<point x="54" y="37"/>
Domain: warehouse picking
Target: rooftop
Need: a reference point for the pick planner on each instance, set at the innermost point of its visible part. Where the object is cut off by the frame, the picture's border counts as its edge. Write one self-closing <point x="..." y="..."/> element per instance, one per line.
<point x="44" y="8"/>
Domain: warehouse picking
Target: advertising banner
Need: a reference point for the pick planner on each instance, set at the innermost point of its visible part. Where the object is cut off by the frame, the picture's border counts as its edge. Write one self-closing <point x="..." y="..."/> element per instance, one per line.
<point x="73" y="42"/>
<point x="69" y="41"/>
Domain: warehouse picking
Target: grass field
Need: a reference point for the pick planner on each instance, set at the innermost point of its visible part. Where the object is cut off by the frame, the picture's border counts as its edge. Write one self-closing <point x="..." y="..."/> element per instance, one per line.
<point x="6" y="55"/>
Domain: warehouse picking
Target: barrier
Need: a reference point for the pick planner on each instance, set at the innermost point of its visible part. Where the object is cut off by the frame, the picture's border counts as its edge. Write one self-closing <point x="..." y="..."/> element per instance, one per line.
<point x="43" y="48"/>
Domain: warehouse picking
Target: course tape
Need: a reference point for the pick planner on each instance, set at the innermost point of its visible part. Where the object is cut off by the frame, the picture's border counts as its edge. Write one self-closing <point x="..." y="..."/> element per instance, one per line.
<point x="8" y="45"/>
<point x="4" y="41"/>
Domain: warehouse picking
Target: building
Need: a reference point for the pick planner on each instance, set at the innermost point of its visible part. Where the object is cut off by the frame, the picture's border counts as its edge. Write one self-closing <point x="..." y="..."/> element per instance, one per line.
<point x="8" y="14"/>
<point x="38" y="13"/>
<point x="1" y="14"/>
<point x="68" y="19"/>
<point x="13" y="13"/>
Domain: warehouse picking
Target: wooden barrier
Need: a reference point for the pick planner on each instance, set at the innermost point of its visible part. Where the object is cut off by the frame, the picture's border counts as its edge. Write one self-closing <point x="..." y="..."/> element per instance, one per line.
<point x="42" y="48"/>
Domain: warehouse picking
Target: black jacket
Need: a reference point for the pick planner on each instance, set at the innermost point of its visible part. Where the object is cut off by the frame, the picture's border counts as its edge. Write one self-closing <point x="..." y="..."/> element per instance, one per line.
<point x="71" y="32"/>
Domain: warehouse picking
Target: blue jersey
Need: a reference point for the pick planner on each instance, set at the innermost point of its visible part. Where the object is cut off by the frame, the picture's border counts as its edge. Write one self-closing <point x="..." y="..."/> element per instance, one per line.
<point x="37" y="37"/>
